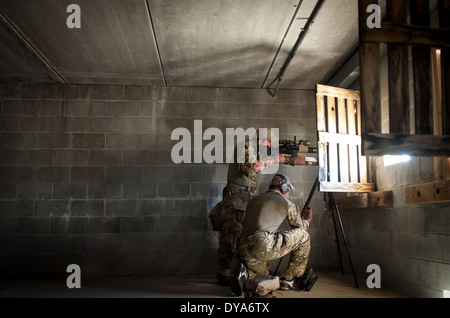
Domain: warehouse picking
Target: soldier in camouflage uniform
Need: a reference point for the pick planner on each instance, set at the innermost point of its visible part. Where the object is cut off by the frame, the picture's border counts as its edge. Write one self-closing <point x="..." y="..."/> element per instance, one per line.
<point x="242" y="186"/>
<point x="261" y="241"/>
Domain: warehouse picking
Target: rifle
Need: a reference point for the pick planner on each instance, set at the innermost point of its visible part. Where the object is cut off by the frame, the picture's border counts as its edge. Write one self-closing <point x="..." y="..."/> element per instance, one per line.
<point x="294" y="147"/>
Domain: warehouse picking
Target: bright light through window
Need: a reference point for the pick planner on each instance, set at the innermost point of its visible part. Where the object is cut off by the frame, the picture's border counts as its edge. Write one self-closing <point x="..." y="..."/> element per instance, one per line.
<point x="446" y="293"/>
<point x="393" y="160"/>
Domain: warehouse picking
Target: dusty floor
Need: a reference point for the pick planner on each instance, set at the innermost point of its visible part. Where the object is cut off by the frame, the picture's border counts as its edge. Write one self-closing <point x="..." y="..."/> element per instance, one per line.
<point x="329" y="285"/>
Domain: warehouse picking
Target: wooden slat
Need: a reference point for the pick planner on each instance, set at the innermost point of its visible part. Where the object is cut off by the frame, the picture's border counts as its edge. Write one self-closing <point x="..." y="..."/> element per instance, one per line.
<point x="347" y="187"/>
<point x="400" y="34"/>
<point x="414" y="145"/>
<point x="428" y="193"/>
<point x="352" y="151"/>
<point x="322" y="161"/>
<point x="399" y="117"/>
<point x="444" y="22"/>
<point x="332" y="147"/>
<point x="367" y="200"/>
<point x="423" y="89"/>
<point x="343" y="148"/>
<point x="321" y="120"/>
<point x="337" y="92"/>
<point x="370" y="95"/>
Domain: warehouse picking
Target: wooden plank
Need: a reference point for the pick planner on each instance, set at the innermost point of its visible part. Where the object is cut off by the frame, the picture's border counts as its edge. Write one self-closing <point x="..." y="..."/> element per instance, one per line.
<point x="321" y="119"/>
<point x="352" y="149"/>
<point x="399" y="117"/>
<point x="413" y="145"/>
<point x="322" y="161"/>
<point x="332" y="146"/>
<point x="367" y="200"/>
<point x="444" y="23"/>
<point x="337" y="92"/>
<point x="422" y="70"/>
<point x="343" y="148"/>
<point x="347" y="187"/>
<point x="339" y="138"/>
<point x="370" y="88"/>
<point x="401" y="34"/>
<point x="428" y="193"/>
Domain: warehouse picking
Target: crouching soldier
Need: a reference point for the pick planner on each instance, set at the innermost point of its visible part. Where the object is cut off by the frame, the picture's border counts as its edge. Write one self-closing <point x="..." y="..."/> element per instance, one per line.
<point x="261" y="241"/>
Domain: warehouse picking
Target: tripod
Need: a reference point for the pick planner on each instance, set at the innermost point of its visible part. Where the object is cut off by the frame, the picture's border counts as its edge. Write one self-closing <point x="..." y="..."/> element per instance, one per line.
<point x="335" y="209"/>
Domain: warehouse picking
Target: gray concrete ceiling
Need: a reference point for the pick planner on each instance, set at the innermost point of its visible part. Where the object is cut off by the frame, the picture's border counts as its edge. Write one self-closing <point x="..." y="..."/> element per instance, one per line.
<point x="219" y="43"/>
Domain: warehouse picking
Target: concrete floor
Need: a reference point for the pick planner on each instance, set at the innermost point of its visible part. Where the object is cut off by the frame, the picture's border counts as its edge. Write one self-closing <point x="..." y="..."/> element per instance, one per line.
<point x="329" y="285"/>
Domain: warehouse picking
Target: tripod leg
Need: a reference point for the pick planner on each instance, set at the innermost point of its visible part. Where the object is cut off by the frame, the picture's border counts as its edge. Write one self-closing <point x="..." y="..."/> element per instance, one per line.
<point x="336" y="233"/>
<point x="344" y="238"/>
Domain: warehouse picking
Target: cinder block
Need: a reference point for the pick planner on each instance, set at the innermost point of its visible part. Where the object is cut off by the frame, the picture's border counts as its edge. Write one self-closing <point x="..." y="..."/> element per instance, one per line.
<point x="70" y="157"/>
<point x="91" y="141"/>
<point x="237" y="95"/>
<point x="222" y="110"/>
<point x="85" y="108"/>
<point x="37" y="124"/>
<point x="51" y="208"/>
<point x="105" y="157"/>
<point x="87" y="174"/>
<point x="206" y="94"/>
<point x="143" y="125"/>
<point x="121" y="208"/>
<point x="16" y="174"/>
<point x="18" y="140"/>
<point x="16" y="209"/>
<point x="170" y="94"/>
<point x="77" y="91"/>
<point x="70" y="191"/>
<point x="123" y="109"/>
<point x="87" y="208"/>
<point x="34" y="157"/>
<point x="10" y="90"/>
<point x="33" y="225"/>
<point x="133" y="92"/>
<point x="8" y="157"/>
<point x="138" y="157"/>
<point x="54" y="108"/>
<point x="52" y="174"/>
<point x="107" y="92"/>
<point x="8" y="190"/>
<point x="20" y="107"/>
<point x="52" y="140"/>
<point x="174" y="190"/>
<point x="122" y="175"/>
<point x="137" y="225"/>
<point x="9" y="123"/>
<point x="103" y="225"/>
<point x="181" y="110"/>
<point x="36" y="191"/>
<point x="129" y="141"/>
<point x="107" y="124"/>
<point x="157" y="207"/>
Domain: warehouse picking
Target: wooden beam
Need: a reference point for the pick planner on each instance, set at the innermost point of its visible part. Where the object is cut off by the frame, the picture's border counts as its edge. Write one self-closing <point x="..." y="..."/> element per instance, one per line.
<point x="367" y="200"/>
<point x="428" y="193"/>
<point x="370" y="75"/>
<point x="422" y="70"/>
<point x="413" y="145"/>
<point x="398" y="68"/>
<point x="444" y="23"/>
<point x="401" y="34"/>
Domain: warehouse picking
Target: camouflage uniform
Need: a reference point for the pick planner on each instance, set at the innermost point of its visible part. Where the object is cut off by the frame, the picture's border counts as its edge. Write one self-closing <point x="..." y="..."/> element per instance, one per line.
<point x="241" y="188"/>
<point x="260" y="242"/>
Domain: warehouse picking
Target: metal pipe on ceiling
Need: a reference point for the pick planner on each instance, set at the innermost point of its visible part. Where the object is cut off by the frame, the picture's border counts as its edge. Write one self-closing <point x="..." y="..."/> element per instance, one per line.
<point x="294" y="50"/>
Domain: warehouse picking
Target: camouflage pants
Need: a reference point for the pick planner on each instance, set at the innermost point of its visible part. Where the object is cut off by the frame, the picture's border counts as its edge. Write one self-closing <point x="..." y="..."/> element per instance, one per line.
<point x="232" y="220"/>
<point x="257" y="250"/>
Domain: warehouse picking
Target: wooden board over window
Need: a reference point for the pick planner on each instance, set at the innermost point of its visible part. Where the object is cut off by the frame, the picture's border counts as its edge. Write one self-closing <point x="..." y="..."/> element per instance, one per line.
<point x="342" y="168"/>
<point x="417" y="132"/>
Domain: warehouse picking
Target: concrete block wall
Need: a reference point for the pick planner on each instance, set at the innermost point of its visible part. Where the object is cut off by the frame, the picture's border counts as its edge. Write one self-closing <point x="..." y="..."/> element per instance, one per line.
<point x="86" y="176"/>
<point x="410" y="242"/>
